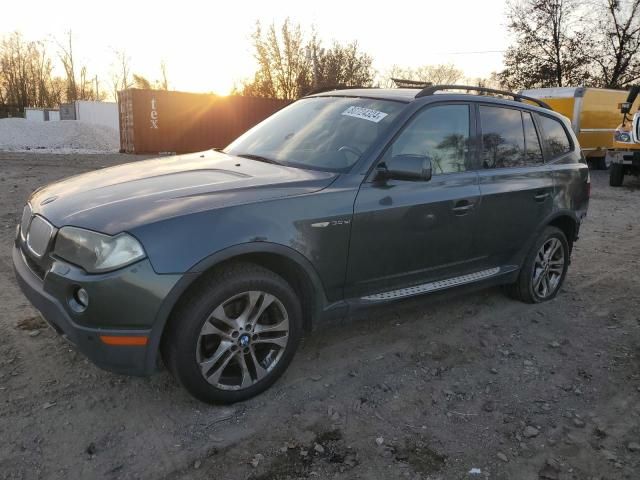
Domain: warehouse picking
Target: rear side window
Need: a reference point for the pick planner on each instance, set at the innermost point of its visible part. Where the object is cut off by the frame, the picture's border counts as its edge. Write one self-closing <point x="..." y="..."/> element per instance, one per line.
<point x="556" y="136"/>
<point x="502" y="137"/>
<point x="531" y="141"/>
<point x="440" y="132"/>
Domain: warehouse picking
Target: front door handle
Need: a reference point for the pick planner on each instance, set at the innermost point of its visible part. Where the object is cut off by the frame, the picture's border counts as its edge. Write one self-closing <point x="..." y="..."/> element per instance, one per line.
<point x="541" y="196"/>
<point x="462" y="207"/>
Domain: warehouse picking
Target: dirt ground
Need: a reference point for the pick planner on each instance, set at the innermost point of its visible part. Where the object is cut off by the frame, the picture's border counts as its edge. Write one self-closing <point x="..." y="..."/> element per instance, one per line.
<point x="430" y="388"/>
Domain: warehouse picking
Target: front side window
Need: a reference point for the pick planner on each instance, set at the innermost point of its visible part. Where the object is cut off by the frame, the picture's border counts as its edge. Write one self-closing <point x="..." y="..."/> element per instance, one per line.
<point x="502" y="137"/>
<point x="321" y="133"/>
<point x="557" y="140"/>
<point x="439" y="132"/>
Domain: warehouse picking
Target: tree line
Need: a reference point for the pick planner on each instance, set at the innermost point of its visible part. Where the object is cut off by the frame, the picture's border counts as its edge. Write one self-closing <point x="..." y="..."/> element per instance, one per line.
<point x="29" y="78"/>
<point x="291" y="65"/>
<point x="556" y="43"/>
<point x="561" y="43"/>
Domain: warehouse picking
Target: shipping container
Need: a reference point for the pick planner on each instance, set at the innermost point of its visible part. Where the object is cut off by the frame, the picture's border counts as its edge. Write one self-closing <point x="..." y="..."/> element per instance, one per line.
<point x="34" y="114"/>
<point x="160" y="121"/>
<point x="41" y="114"/>
<point x="97" y="113"/>
<point x="67" y="111"/>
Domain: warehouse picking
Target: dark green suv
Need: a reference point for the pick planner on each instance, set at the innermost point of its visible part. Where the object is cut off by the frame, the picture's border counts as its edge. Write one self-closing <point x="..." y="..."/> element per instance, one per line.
<point x="217" y="262"/>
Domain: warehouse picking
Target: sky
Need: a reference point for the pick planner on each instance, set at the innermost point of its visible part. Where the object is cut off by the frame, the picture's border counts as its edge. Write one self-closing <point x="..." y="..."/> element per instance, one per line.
<point x="207" y="44"/>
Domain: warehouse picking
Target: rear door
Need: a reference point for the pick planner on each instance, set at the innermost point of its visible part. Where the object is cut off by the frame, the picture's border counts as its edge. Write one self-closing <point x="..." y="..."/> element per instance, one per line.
<point x="409" y="232"/>
<point x="516" y="185"/>
<point x="570" y="175"/>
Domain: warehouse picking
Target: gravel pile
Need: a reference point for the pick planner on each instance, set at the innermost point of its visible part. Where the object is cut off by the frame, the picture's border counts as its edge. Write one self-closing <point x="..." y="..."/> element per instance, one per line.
<point x="70" y="136"/>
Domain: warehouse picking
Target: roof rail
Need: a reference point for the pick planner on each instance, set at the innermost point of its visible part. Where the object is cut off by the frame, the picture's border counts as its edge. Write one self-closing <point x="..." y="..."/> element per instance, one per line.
<point x="403" y="83"/>
<point x="516" y="96"/>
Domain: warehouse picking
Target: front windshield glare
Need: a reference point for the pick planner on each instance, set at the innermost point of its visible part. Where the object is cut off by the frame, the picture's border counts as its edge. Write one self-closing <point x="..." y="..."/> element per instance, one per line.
<point x="323" y="133"/>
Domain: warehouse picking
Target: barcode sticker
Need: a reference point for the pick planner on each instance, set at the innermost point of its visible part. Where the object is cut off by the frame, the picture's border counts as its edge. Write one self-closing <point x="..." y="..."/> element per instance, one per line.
<point x="365" y="113"/>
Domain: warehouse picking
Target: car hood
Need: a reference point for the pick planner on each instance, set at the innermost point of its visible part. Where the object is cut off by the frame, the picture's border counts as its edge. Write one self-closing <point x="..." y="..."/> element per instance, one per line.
<point x="120" y="198"/>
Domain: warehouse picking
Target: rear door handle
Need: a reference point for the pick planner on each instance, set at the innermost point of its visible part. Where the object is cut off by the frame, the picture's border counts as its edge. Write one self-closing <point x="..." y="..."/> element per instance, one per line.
<point x="541" y="196"/>
<point x="462" y="207"/>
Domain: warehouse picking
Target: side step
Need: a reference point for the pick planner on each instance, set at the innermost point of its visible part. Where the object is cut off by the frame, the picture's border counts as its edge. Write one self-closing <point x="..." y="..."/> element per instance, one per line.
<point x="433" y="286"/>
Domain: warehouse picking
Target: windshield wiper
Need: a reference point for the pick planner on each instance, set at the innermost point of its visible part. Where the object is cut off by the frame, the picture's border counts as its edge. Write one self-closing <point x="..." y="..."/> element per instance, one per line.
<point x="259" y="158"/>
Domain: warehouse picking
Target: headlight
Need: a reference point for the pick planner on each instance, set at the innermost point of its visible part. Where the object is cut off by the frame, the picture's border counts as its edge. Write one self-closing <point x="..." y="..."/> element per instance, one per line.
<point x="621" y="136"/>
<point x="96" y="252"/>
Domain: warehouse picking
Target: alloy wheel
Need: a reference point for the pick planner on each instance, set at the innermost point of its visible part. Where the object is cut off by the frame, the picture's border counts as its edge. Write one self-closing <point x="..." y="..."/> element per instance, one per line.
<point x="548" y="268"/>
<point x="242" y="340"/>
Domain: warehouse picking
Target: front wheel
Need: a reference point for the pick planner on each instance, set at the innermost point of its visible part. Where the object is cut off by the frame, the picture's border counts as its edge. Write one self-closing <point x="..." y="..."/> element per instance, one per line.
<point x="544" y="269"/>
<point x="234" y="334"/>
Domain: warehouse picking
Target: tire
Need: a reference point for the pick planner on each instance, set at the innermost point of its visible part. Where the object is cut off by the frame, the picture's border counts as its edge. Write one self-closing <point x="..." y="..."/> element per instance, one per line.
<point x="616" y="174"/>
<point x="602" y="163"/>
<point x="526" y="288"/>
<point x="222" y="330"/>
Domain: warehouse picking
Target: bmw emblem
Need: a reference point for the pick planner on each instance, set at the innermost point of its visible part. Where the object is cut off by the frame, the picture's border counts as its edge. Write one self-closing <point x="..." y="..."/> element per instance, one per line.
<point x="244" y="340"/>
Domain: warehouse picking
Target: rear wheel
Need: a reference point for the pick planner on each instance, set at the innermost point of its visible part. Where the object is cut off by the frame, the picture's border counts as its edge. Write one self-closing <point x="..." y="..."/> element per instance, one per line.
<point x="616" y="174"/>
<point x="234" y="335"/>
<point x="544" y="269"/>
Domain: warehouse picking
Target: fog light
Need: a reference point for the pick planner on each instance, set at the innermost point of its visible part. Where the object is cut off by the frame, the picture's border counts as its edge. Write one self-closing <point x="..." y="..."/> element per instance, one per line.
<point x="82" y="297"/>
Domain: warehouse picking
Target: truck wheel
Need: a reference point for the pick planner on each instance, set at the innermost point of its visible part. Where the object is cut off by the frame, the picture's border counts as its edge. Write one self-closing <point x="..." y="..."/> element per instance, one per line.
<point x="616" y="174"/>
<point x="544" y="269"/>
<point x="234" y="334"/>
<point x="602" y="164"/>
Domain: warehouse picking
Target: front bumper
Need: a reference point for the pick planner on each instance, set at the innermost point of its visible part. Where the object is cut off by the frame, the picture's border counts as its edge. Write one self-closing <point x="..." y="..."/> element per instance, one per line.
<point x="624" y="157"/>
<point x="125" y="303"/>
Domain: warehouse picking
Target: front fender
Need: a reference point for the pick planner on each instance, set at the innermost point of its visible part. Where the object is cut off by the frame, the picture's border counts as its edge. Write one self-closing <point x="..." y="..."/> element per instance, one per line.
<point x="217" y="258"/>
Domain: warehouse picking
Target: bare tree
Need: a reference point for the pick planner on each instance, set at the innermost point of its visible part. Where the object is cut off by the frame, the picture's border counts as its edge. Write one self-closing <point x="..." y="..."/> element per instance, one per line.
<point x="340" y="65"/>
<point x="68" y="62"/>
<point x="553" y="45"/>
<point x="164" y="80"/>
<point x="289" y="66"/>
<point x="80" y="85"/>
<point x="617" y="55"/>
<point x="436" y="74"/>
<point x="26" y="78"/>
<point x="121" y="73"/>
<point x="284" y="68"/>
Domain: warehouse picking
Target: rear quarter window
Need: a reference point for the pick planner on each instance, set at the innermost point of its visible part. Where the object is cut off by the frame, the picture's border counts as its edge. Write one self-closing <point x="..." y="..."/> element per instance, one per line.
<point x="555" y="135"/>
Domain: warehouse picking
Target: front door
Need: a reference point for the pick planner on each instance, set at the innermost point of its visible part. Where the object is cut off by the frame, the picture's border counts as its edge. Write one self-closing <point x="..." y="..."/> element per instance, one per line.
<point x="409" y="232"/>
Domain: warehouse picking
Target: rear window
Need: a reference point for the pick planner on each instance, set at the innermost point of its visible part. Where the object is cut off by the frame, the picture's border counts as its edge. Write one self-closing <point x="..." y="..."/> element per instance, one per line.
<point x="557" y="140"/>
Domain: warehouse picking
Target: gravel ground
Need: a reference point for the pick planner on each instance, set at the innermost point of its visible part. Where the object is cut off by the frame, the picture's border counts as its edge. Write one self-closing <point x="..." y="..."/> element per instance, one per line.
<point x="425" y="389"/>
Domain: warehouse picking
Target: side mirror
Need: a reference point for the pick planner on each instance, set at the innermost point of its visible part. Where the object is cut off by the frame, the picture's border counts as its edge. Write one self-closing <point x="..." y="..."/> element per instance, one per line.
<point x="407" y="167"/>
<point x="625" y="107"/>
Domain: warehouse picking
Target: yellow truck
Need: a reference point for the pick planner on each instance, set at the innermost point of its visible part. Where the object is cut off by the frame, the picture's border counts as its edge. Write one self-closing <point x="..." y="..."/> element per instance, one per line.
<point x="624" y="156"/>
<point x="595" y="117"/>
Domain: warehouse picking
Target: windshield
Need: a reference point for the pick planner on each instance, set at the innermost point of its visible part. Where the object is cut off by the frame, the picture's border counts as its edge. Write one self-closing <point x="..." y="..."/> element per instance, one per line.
<point x="322" y="133"/>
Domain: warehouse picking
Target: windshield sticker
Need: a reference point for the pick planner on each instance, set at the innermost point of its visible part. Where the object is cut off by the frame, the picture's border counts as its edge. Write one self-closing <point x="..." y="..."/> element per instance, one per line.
<point x="365" y="113"/>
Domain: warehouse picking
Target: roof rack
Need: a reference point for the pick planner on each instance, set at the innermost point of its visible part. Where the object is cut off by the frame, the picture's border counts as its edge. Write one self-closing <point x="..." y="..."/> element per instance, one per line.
<point x="516" y="96"/>
<point x="328" y="88"/>
<point x="403" y="83"/>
